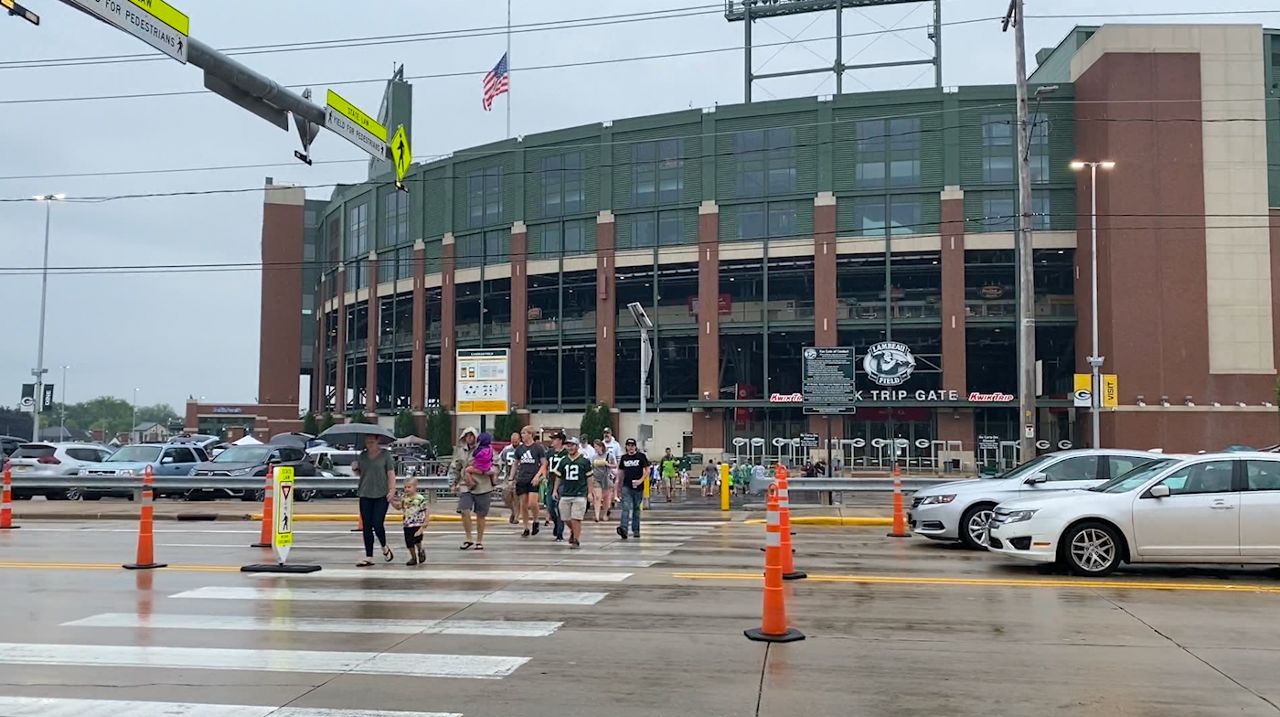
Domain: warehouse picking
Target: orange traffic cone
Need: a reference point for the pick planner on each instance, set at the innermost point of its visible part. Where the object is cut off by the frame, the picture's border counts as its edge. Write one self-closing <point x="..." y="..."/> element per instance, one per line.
<point x="789" y="571"/>
<point x="6" y="511"/>
<point x="268" y="514"/>
<point x="899" y="518"/>
<point x="773" y="625"/>
<point x="146" y="533"/>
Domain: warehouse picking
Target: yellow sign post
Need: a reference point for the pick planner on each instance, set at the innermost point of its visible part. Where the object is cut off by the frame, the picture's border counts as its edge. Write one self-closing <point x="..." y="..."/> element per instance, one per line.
<point x="724" y="486"/>
<point x="401" y="154"/>
<point x="283" y="507"/>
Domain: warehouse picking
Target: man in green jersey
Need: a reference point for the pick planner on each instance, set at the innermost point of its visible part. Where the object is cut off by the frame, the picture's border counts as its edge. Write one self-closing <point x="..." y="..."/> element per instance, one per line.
<point x="573" y="475"/>
<point x="667" y="469"/>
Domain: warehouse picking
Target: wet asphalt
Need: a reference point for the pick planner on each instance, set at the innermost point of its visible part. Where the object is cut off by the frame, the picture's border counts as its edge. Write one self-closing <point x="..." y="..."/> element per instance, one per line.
<point x="646" y="627"/>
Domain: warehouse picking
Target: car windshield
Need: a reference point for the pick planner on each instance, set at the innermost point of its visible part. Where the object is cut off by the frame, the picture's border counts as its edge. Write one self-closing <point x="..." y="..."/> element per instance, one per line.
<point x="244" y="454"/>
<point x="1028" y="467"/>
<point x="136" y="454"/>
<point x="1135" y="478"/>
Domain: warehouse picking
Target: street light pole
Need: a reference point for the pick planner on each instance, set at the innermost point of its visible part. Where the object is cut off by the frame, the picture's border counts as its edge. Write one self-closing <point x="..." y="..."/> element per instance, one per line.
<point x="62" y="420"/>
<point x="1096" y="359"/>
<point x="39" y="370"/>
<point x="133" y="426"/>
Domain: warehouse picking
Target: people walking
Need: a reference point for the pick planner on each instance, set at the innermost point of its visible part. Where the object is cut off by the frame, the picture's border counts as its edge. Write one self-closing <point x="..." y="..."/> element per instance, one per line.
<point x="415" y="510"/>
<point x="530" y="472"/>
<point x="475" y="488"/>
<point x="377" y="483"/>
<point x="507" y="470"/>
<point x="635" y="471"/>
<point x="614" y="449"/>
<point x="602" y="481"/>
<point x="573" y="474"/>
<point x="668" y="468"/>
<point x="709" y="476"/>
<point x="559" y="454"/>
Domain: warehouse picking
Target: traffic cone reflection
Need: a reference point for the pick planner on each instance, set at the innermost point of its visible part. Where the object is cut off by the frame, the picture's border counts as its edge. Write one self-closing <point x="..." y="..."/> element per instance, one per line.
<point x="773" y="624"/>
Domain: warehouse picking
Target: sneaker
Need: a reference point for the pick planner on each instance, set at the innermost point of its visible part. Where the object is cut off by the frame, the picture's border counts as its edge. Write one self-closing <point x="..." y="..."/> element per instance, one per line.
<point x="422" y="556"/>
<point x="413" y="560"/>
<point x="525" y="534"/>
<point x="574" y="545"/>
<point x="622" y="532"/>
<point x="559" y="538"/>
<point x="535" y="528"/>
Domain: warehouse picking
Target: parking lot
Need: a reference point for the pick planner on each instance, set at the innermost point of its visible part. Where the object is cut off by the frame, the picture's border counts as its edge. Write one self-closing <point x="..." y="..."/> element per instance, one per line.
<point x="649" y="627"/>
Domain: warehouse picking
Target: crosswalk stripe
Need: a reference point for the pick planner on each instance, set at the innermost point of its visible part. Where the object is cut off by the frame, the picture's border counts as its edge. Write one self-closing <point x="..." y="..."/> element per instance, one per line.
<point x="70" y="707"/>
<point x="522" y="576"/>
<point x="483" y="628"/>
<point x="206" y="658"/>
<point x="496" y="597"/>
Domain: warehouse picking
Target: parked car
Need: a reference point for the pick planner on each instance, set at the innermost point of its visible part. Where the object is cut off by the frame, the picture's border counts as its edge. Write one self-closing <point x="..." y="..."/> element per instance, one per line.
<point x="335" y="462"/>
<point x="1213" y="508"/>
<point x="33" y="460"/>
<point x="9" y="444"/>
<point x="199" y="440"/>
<point x="960" y="510"/>
<point x="165" y="459"/>
<point x="251" y="461"/>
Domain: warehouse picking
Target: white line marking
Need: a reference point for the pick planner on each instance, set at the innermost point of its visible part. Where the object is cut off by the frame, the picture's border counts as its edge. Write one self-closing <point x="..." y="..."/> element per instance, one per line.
<point x="206" y="658"/>
<point x="489" y="557"/>
<point x="485" y="628"/>
<point x="524" y="576"/>
<point x="67" y="707"/>
<point x="496" y="597"/>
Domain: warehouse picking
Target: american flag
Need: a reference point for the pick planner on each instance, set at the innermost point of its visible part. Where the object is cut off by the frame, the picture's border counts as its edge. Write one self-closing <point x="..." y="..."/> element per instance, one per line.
<point x="496" y="82"/>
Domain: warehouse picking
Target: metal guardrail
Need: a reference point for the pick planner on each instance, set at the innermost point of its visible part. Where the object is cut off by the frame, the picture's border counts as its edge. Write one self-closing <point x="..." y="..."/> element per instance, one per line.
<point x="185" y="483"/>
<point x="845" y="485"/>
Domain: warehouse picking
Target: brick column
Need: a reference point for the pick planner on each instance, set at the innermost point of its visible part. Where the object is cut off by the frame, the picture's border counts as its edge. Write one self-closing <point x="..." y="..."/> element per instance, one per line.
<point x="448" y="297"/>
<point x="519" y="316"/>
<point x="956" y="425"/>
<point x="418" y="370"/>
<point x="374" y="325"/>
<point x="825" y="305"/>
<point x="708" y="426"/>
<point x="340" y="359"/>
<point x="606" y="309"/>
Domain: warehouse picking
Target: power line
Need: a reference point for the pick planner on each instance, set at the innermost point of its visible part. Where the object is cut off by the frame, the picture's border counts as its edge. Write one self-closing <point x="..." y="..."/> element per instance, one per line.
<point x="835" y="143"/>
<point x="372" y="40"/>
<point x="778" y="240"/>
<point x="480" y="72"/>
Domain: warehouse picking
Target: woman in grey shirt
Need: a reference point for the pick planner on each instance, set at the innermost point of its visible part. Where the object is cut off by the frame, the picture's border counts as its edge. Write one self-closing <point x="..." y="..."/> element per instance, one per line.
<point x="377" y="471"/>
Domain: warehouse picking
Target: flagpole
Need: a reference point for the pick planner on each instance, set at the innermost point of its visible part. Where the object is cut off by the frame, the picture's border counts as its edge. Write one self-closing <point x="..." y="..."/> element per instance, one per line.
<point x="508" y="69"/>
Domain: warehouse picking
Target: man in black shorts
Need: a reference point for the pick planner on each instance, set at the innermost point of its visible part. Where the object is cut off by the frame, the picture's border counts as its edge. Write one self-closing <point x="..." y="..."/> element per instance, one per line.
<point x="531" y="470"/>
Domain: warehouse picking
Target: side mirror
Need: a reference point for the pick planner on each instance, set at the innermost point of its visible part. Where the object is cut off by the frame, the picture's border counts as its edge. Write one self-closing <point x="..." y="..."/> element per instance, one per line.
<point x="1036" y="478"/>
<point x="1159" y="491"/>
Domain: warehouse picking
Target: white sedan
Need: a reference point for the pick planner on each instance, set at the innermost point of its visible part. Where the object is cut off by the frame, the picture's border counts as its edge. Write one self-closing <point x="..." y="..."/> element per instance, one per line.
<point x="1216" y="508"/>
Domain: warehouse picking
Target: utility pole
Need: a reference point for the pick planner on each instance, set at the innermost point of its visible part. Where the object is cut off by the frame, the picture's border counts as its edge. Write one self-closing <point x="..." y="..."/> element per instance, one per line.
<point x="1023" y="246"/>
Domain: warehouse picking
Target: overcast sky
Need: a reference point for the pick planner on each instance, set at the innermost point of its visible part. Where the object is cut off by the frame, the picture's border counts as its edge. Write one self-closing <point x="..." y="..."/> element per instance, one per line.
<point x="178" y="333"/>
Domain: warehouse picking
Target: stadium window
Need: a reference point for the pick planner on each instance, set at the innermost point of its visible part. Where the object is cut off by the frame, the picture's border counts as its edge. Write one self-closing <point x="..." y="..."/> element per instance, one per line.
<point x="904" y="216"/>
<point x="750" y="163"/>
<point x="1040" y="150"/>
<point x="470" y="250"/>
<point x="495" y="246"/>
<point x="997" y="149"/>
<point x="999" y="213"/>
<point x="484" y="197"/>
<point x="781" y="160"/>
<point x="562" y="184"/>
<point x="782" y="220"/>
<point x="751" y="221"/>
<point x="670" y="228"/>
<point x="395" y="218"/>
<point x="358" y="230"/>
<point x="657" y="172"/>
<point x="765" y="162"/>
<point x="1041" y="211"/>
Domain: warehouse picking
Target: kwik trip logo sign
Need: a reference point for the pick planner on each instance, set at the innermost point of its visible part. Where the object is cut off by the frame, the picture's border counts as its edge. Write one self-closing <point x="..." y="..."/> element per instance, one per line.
<point x="889" y="363"/>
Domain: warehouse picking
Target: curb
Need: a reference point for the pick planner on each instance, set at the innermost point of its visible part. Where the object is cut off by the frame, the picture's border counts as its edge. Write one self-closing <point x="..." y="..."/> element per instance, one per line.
<point x="831" y="520"/>
<point x="205" y="517"/>
<point x="354" y="519"/>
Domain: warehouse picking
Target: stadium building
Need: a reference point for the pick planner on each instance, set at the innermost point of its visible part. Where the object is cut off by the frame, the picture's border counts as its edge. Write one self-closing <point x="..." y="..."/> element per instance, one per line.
<point x="751" y="232"/>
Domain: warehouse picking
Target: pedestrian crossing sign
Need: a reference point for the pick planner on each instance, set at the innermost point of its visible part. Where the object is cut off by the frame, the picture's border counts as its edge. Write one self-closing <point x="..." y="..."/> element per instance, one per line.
<point x="283" y="509"/>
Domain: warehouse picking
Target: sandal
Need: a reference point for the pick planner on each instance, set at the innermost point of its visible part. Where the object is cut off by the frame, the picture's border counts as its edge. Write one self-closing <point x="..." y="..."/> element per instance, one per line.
<point x="466" y="546"/>
<point x="364" y="563"/>
<point x="387" y="555"/>
<point x="479" y="546"/>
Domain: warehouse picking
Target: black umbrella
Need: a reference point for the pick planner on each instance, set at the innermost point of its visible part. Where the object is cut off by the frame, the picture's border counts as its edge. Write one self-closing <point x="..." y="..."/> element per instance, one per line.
<point x="354" y="433"/>
<point x="293" y="440"/>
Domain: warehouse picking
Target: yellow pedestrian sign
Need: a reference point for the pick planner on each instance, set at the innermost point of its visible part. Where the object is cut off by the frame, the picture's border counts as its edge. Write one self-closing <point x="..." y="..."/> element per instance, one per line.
<point x="283" y="508"/>
<point x="401" y="154"/>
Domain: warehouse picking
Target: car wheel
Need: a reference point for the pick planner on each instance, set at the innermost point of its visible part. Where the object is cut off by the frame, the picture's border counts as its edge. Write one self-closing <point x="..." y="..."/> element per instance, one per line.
<point x="305" y="495"/>
<point x="1092" y="550"/>
<point x="252" y="496"/>
<point x="973" y="526"/>
<point x="74" y="494"/>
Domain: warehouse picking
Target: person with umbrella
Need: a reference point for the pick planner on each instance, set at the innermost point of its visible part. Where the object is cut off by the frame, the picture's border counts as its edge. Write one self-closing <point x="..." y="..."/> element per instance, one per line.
<point x="377" y="482"/>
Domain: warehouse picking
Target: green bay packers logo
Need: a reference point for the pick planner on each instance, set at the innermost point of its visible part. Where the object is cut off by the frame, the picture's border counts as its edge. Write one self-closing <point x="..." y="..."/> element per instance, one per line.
<point x="889" y="363"/>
